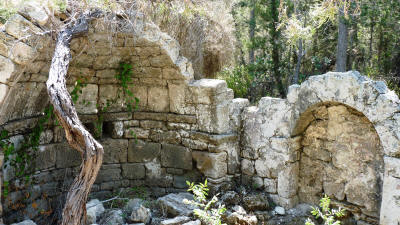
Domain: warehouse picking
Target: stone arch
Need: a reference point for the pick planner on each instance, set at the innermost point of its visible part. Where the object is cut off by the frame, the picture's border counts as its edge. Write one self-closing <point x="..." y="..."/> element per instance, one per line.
<point x="360" y="96"/>
<point x="341" y="156"/>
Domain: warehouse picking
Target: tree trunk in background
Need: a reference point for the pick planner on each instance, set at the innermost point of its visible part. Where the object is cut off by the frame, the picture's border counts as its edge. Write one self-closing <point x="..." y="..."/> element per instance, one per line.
<point x="274" y="41"/>
<point x="78" y="137"/>
<point x="341" y="54"/>
<point x="298" y="64"/>
<point x="252" y="28"/>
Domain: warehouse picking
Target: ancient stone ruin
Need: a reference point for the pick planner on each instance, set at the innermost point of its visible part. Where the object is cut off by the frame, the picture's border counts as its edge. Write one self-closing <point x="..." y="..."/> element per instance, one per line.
<point x="335" y="134"/>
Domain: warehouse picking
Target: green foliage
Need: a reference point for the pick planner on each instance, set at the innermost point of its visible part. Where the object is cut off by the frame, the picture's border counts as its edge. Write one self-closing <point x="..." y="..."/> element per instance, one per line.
<point x="21" y="158"/>
<point x="238" y="79"/>
<point x="208" y="212"/>
<point x="328" y="215"/>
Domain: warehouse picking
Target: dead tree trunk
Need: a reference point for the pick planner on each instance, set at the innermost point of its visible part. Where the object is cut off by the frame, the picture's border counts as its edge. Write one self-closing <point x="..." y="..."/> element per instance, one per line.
<point x="78" y="137"/>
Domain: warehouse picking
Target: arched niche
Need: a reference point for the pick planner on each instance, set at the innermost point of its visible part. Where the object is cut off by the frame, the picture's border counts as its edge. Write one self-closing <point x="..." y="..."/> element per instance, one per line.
<point x="368" y="114"/>
<point x="340" y="156"/>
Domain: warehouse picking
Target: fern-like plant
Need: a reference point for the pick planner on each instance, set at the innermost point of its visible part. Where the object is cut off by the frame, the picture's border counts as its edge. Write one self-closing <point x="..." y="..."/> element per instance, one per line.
<point x="207" y="211"/>
<point x="328" y="215"/>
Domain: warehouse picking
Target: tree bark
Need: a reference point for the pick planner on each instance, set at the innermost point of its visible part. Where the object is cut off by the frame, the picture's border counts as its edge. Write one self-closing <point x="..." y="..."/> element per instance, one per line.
<point x="298" y="64"/>
<point x="78" y="137"/>
<point x="252" y="28"/>
<point x="341" y="54"/>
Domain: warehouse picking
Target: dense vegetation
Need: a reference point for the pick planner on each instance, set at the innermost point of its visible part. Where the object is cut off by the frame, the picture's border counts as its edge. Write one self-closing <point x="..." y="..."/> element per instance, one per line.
<point x="282" y="42"/>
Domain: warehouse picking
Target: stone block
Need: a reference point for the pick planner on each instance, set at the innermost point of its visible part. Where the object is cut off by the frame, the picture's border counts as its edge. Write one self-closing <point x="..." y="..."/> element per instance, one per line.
<point x="87" y="100"/>
<point x="133" y="171"/>
<point x="109" y="173"/>
<point x="115" y="150"/>
<point x="158" y="99"/>
<point x="151" y="124"/>
<point x="20" y="28"/>
<point x="140" y="92"/>
<point x="147" y="72"/>
<point x="212" y="165"/>
<point x="3" y="92"/>
<point x="66" y="156"/>
<point x="140" y="151"/>
<point x="22" y="53"/>
<point x="46" y="156"/>
<point x="177" y="98"/>
<point x="204" y="91"/>
<point x="176" y="118"/>
<point x="107" y="73"/>
<point x="176" y="156"/>
<point x="171" y="137"/>
<point x="160" y="61"/>
<point x="270" y="185"/>
<point x="150" y="116"/>
<point x="136" y="132"/>
<point x="213" y="119"/>
<point x="235" y="112"/>
<point x="247" y="167"/>
<point x="117" y="129"/>
<point x="288" y="180"/>
<point x="172" y="74"/>
<point x="131" y="123"/>
<point x="7" y="69"/>
<point x="117" y="116"/>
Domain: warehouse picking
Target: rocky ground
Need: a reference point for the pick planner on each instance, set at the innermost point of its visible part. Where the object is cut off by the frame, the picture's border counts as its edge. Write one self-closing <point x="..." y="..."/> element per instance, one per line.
<point x="242" y="208"/>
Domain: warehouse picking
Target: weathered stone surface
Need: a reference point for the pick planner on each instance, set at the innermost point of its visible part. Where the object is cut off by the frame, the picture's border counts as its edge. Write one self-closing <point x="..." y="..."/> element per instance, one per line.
<point x="46" y="156"/>
<point x="22" y="53"/>
<point x="136" y="132"/>
<point x="176" y="157"/>
<point x="133" y="171"/>
<point x="20" y="28"/>
<point x="115" y="150"/>
<point x="66" y="156"/>
<point x="211" y="164"/>
<point x="288" y="180"/>
<point x="158" y="99"/>
<point x="113" y="216"/>
<point x="254" y="202"/>
<point x="203" y="91"/>
<point x="35" y="13"/>
<point x="94" y="208"/>
<point x="140" y="151"/>
<point x="7" y="68"/>
<point x="25" y="222"/>
<point x="110" y="172"/>
<point x="247" y="167"/>
<point x="235" y="112"/>
<point x="176" y="221"/>
<point x="140" y="214"/>
<point x="174" y="206"/>
<point x="391" y="191"/>
<point x="239" y="216"/>
<point x="3" y="92"/>
<point x="213" y="119"/>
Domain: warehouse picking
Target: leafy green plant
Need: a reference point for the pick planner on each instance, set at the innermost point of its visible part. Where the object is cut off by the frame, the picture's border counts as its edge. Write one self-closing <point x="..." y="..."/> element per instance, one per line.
<point x="21" y="158"/>
<point x="207" y="211"/>
<point x="328" y="215"/>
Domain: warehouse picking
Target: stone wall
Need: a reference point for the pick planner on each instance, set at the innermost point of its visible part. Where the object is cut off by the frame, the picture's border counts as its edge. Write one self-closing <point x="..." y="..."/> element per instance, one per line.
<point x="343" y="123"/>
<point x="335" y="134"/>
<point x="179" y="132"/>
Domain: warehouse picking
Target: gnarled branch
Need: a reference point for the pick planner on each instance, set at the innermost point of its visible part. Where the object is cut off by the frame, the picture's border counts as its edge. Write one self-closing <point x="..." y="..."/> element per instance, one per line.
<point x="78" y="137"/>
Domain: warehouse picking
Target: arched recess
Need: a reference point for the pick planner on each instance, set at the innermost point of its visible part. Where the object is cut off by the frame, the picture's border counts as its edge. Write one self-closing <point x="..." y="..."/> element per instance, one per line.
<point x="334" y="101"/>
<point x="340" y="156"/>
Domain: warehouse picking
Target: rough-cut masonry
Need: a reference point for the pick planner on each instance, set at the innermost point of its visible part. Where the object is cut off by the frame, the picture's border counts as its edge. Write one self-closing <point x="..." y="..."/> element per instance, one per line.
<point x="336" y="133"/>
<point x="341" y="156"/>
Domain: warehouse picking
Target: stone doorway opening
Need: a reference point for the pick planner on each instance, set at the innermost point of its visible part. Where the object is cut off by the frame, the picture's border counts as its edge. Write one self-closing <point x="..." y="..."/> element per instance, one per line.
<point x="340" y="156"/>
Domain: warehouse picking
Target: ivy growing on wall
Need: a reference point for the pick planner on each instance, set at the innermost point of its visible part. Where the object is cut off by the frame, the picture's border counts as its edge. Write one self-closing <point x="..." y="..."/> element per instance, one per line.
<point x="21" y="157"/>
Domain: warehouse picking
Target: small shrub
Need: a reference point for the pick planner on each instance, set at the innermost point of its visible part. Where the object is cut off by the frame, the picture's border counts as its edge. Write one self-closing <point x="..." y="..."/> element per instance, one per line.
<point x="208" y="212"/>
<point x="325" y="213"/>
